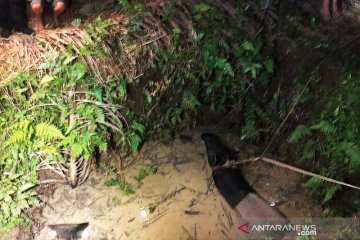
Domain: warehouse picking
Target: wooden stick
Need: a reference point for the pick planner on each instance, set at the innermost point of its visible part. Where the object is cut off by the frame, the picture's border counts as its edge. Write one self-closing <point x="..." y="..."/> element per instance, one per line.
<point x="291" y="168"/>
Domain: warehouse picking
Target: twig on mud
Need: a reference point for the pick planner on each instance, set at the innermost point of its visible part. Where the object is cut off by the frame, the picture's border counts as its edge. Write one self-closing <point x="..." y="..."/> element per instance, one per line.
<point x="195" y="233"/>
<point x="170" y="195"/>
<point x="187" y="231"/>
<point x="222" y="222"/>
<point x="191" y="213"/>
<point x="193" y="202"/>
<point x="228" y="216"/>
<point x="289" y="167"/>
<point x="224" y="233"/>
<point x="175" y="165"/>
<point x="155" y="219"/>
<point x="209" y="183"/>
<point x="93" y="201"/>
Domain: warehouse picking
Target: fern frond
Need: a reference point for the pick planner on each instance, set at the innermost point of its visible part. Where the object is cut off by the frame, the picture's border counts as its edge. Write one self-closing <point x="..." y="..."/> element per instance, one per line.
<point x="22" y="125"/>
<point x="309" y="150"/>
<point x="69" y="139"/>
<point x="76" y="151"/>
<point x="299" y="132"/>
<point x="91" y="112"/>
<point x="330" y="192"/>
<point x="353" y="153"/>
<point x="20" y="132"/>
<point x="17" y="137"/>
<point x="48" y="132"/>
<point x="325" y="127"/>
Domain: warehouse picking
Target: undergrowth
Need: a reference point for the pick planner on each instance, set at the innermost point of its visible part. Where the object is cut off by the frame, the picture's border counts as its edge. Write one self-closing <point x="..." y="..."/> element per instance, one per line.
<point x="61" y="112"/>
<point x="333" y="138"/>
<point x="54" y="115"/>
<point x="219" y="66"/>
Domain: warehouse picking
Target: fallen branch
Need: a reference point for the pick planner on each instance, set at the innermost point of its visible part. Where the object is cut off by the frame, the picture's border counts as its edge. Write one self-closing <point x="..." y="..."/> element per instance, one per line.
<point x="286" y="166"/>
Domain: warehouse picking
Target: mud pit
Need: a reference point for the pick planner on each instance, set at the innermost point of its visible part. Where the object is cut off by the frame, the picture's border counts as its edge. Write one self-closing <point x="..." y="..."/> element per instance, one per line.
<point x="187" y="204"/>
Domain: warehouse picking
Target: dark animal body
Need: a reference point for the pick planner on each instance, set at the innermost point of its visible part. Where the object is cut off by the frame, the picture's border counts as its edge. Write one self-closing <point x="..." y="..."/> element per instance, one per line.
<point x="231" y="185"/>
<point x="217" y="153"/>
<point x="236" y="191"/>
<point x="13" y="17"/>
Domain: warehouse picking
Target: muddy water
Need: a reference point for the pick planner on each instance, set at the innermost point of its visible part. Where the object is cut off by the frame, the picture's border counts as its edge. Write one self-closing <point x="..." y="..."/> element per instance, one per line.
<point x="187" y="204"/>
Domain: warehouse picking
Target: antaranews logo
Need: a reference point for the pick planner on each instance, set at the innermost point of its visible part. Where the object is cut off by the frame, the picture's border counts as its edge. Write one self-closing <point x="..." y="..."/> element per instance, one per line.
<point x="300" y="229"/>
<point x="244" y="228"/>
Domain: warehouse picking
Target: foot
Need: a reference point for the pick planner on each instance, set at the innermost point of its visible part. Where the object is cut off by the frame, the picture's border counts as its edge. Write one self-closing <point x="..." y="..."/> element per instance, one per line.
<point x="58" y="10"/>
<point x="38" y="11"/>
<point x="39" y="26"/>
<point x="6" y="33"/>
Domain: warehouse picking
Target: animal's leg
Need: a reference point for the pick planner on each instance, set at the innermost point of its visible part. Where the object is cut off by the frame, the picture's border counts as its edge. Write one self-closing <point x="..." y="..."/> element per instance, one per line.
<point x="211" y="158"/>
<point x="19" y="17"/>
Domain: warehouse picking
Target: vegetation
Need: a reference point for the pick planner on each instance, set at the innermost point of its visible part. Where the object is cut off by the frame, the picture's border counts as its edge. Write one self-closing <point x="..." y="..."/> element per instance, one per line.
<point x="54" y="116"/>
<point x="333" y="136"/>
<point x="144" y="172"/>
<point x="82" y="95"/>
<point x="125" y="187"/>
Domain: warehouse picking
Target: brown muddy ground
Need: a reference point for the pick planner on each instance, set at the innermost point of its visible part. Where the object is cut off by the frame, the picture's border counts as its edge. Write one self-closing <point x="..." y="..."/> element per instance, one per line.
<point x="187" y="204"/>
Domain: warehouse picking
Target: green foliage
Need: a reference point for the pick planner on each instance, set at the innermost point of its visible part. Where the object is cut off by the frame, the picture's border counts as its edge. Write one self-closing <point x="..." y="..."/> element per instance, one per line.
<point x="302" y="238"/>
<point x="123" y="185"/>
<point x="334" y="136"/>
<point x="219" y="66"/>
<point x="144" y="172"/>
<point x="58" y="113"/>
<point x="299" y="132"/>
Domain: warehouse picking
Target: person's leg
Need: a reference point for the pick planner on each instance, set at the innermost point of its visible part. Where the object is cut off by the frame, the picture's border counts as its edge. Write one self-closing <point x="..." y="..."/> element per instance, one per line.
<point x="59" y="8"/>
<point x="37" y="9"/>
<point x="335" y="8"/>
<point x="325" y="10"/>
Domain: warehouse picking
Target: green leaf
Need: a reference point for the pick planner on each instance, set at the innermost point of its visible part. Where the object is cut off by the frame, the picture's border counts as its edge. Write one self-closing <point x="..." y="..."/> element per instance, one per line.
<point x="26" y="187"/>
<point x="46" y="79"/>
<point x="201" y="7"/>
<point x="48" y="132"/>
<point x="299" y="132"/>
<point x="176" y="30"/>
<point x="138" y="127"/>
<point x="68" y="59"/>
<point x="98" y="94"/>
<point x="248" y="46"/>
<point x="135" y="142"/>
<point x="269" y="65"/>
<point x="76" y="150"/>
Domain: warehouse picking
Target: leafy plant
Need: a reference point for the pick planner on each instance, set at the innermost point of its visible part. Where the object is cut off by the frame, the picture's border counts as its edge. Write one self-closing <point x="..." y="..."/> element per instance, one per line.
<point x="125" y="187"/>
<point x="334" y="137"/>
<point x="144" y="172"/>
<point x="56" y="116"/>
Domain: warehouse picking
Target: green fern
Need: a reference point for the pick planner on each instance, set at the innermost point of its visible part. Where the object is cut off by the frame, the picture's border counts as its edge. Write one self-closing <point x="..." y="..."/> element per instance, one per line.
<point x="299" y="132"/>
<point x="325" y="127"/>
<point x="48" y="132"/>
<point x="352" y="151"/>
<point x="20" y="133"/>
<point x="330" y="192"/>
